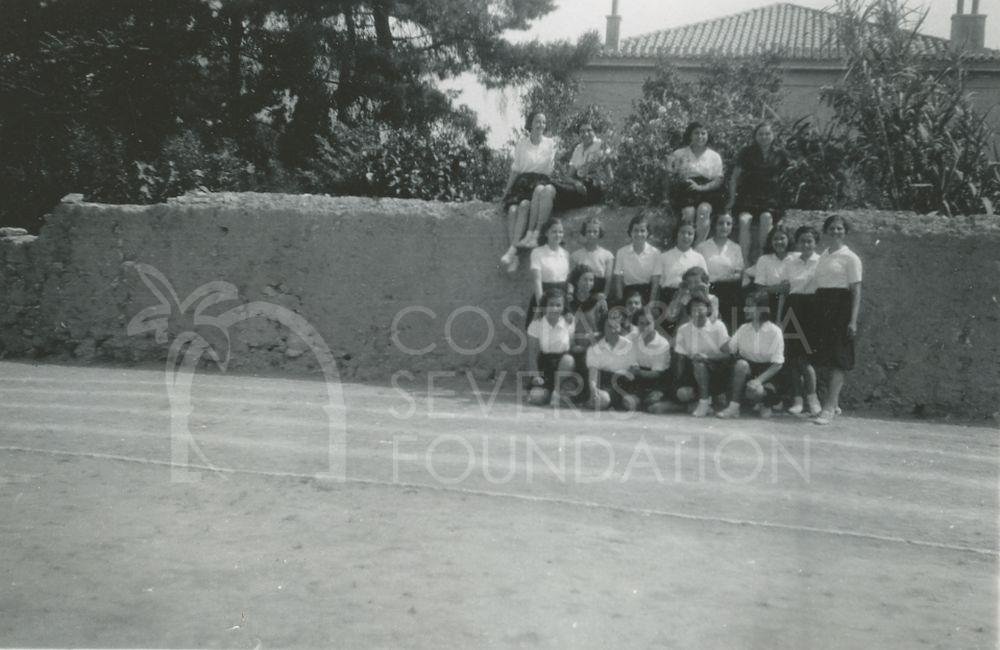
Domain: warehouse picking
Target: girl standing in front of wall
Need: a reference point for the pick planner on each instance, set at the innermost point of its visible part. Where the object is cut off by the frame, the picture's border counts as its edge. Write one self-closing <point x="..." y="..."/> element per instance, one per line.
<point x="725" y="270"/>
<point x="796" y="316"/>
<point x="838" y="301"/>
<point x="549" y="266"/>
<point x="768" y="273"/>
<point x="600" y="260"/>
<point x="635" y="262"/>
<point x="673" y="263"/>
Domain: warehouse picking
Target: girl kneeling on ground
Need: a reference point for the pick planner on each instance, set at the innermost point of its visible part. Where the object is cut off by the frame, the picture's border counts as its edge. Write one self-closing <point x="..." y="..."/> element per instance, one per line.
<point x="703" y="363"/>
<point x="609" y="364"/>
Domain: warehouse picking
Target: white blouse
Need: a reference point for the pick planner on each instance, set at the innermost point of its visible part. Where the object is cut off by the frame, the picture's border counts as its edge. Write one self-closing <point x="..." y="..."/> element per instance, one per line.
<point x="799" y="273"/>
<point x="838" y="269"/>
<point x="673" y="264"/>
<point x="636" y="268"/>
<point x="722" y="262"/>
<point x="552" y="339"/>
<point x="598" y="260"/>
<point x="553" y="265"/>
<point x="537" y="158"/>
<point x="769" y="270"/>
<point x="686" y="164"/>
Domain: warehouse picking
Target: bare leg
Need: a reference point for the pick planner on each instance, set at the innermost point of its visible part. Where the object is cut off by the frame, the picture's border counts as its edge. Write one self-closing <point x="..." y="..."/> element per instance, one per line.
<point x="521" y="225"/>
<point x="740" y="371"/>
<point x="745" y="236"/>
<point x="564" y="369"/>
<point x="763" y="228"/>
<point x="701" y="378"/>
<point x="809" y="378"/>
<point x="832" y="397"/>
<point x="703" y="222"/>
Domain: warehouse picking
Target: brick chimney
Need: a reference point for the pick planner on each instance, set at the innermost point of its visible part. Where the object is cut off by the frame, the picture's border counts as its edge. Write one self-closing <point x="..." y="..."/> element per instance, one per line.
<point x="968" y="31"/>
<point x="614" y="27"/>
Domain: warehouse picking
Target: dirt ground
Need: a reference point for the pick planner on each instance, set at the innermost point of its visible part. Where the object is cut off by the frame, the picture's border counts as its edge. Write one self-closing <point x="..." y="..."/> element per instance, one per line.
<point x="467" y="520"/>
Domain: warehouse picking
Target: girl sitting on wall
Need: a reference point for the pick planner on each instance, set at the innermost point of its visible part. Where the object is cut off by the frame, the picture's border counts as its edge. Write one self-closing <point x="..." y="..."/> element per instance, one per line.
<point x="528" y="196"/>
<point x="696" y="175"/>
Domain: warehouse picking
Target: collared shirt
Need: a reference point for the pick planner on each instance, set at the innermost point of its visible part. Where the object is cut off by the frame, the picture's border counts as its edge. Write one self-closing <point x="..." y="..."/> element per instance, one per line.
<point x="636" y="268"/>
<point x="654" y="355"/>
<point x="686" y="164"/>
<point x="553" y="265"/>
<point x="799" y="273"/>
<point x="581" y="156"/>
<point x="722" y="262"/>
<point x="673" y="263"/>
<point x="838" y="269"/>
<point x="552" y="339"/>
<point x="602" y="356"/>
<point x="769" y="270"/>
<point x="764" y="345"/>
<point x="598" y="260"/>
<point x="707" y="340"/>
<point x="538" y="158"/>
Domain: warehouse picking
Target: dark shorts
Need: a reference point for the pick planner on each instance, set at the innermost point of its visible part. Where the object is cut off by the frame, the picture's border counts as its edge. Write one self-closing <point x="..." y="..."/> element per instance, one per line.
<point x="834" y="348"/>
<point x="719" y="376"/>
<point x="773" y="386"/>
<point x="548" y="364"/>
<point x="617" y="386"/>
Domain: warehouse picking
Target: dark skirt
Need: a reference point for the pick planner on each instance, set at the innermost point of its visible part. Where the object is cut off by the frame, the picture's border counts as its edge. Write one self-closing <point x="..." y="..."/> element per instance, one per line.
<point x="523" y="188"/>
<point x="834" y="348"/>
<point x="720" y="376"/>
<point x="682" y="196"/>
<point x="533" y="304"/>
<point x="730" y="297"/>
<point x="798" y="323"/>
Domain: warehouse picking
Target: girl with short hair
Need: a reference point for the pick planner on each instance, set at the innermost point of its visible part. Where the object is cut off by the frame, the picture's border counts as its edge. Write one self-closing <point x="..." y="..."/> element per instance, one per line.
<point x="635" y="262"/>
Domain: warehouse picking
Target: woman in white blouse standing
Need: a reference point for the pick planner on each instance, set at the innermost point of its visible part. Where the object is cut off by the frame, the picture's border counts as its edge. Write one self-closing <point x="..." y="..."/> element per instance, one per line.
<point x="529" y="193"/>
<point x="696" y="176"/>
<point x="549" y="266"/>
<point x="724" y="259"/>
<point x="838" y="300"/>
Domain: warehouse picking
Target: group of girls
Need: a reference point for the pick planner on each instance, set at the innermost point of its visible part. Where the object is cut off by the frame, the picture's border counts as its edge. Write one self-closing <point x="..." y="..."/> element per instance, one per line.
<point x="651" y="330"/>
<point x="648" y="328"/>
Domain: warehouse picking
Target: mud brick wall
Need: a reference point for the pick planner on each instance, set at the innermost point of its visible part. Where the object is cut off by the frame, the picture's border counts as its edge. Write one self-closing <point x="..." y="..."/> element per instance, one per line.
<point x="396" y="285"/>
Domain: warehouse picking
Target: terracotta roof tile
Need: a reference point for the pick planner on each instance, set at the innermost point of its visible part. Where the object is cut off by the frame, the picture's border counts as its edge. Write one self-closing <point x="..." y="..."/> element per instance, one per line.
<point x="798" y="32"/>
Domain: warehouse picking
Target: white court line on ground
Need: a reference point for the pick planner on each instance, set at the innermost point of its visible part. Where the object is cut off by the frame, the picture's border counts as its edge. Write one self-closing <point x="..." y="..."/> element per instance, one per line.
<point x="990" y="553"/>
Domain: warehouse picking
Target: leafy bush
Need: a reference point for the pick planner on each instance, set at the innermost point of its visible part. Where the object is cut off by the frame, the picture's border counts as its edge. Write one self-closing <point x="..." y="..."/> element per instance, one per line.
<point x="906" y="119"/>
<point x="730" y="99"/>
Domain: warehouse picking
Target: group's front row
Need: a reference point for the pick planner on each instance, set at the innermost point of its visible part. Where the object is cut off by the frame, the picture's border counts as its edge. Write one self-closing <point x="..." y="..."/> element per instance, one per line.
<point x="631" y="366"/>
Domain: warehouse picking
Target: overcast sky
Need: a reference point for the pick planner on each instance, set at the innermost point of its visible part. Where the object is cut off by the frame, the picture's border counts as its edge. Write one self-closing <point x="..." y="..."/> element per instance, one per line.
<point x="500" y="111"/>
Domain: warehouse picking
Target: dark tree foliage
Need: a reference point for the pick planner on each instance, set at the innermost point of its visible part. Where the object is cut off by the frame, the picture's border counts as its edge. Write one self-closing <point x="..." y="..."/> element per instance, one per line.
<point x="138" y="99"/>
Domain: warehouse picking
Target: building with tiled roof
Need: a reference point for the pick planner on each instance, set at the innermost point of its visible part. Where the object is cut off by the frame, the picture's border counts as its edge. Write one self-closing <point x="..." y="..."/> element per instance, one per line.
<point x="805" y="39"/>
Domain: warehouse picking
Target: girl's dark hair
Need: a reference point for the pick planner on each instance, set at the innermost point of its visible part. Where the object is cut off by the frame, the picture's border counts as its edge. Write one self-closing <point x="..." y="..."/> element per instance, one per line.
<point x="635" y="221"/>
<point x="696" y="270"/>
<point x="761" y="125"/>
<point x="578" y="272"/>
<point x="760" y="302"/>
<point x="543" y="233"/>
<point x="633" y="293"/>
<point x="586" y="224"/>
<point x="677" y="229"/>
<point x="769" y="242"/>
<point x="552" y="294"/>
<point x="833" y="218"/>
<point x="715" y="221"/>
<point x="531" y="118"/>
<point x="699" y="297"/>
<point x="806" y="230"/>
<point x="691" y="129"/>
